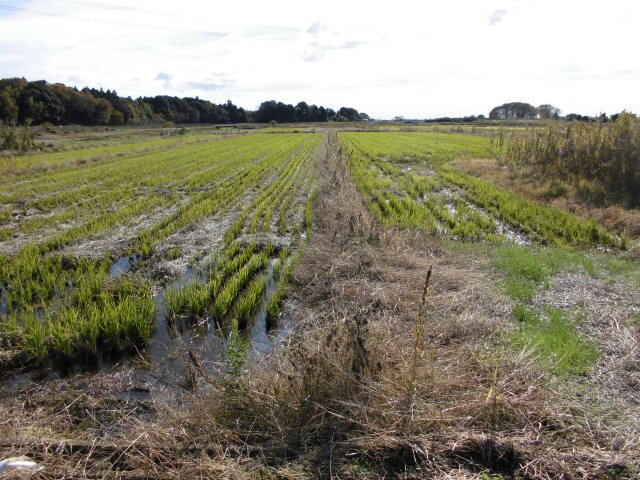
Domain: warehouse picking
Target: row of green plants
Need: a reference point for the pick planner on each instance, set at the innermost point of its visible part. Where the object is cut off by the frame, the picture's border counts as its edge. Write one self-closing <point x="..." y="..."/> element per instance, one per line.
<point x="94" y="191"/>
<point x="539" y="222"/>
<point x="56" y="305"/>
<point x="69" y="308"/>
<point x="40" y="162"/>
<point x="387" y="170"/>
<point x="238" y="278"/>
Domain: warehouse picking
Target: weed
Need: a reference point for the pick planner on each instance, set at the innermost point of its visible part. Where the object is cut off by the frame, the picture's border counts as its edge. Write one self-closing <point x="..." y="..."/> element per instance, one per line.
<point x="555" y="338"/>
<point x="236" y="354"/>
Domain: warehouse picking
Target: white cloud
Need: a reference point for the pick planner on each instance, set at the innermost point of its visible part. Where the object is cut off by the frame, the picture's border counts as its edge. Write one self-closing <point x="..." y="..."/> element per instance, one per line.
<point x="496" y="16"/>
<point x="413" y="58"/>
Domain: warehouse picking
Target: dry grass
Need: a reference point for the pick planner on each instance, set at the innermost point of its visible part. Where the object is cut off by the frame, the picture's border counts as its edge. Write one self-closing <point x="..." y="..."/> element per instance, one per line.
<point x="339" y="399"/>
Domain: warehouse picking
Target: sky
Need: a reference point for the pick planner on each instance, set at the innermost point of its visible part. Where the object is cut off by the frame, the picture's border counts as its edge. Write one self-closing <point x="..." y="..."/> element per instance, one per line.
<point x="416" y="59"/>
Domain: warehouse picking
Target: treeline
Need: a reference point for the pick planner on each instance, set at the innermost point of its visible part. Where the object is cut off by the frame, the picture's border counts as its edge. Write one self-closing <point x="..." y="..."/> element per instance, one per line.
<point x="23" y="102"/>
<point x="521" y="110"/>
<point x="467" y="119"/>
<point x="524" y="110"/>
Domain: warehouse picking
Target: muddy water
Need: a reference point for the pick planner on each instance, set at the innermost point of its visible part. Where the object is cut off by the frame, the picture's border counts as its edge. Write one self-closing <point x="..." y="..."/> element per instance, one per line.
<point x="4" y="309"/>
<point x="502" y="228"/>
<point x="123" y="265"/>
<point x="168" y="353"/>
<point x="167" y="360"/>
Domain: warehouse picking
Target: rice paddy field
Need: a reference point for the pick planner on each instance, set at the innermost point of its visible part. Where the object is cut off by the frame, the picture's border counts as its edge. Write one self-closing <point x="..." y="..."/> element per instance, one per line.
<point x="102" y="248"/>
<point x="317" y="302"/>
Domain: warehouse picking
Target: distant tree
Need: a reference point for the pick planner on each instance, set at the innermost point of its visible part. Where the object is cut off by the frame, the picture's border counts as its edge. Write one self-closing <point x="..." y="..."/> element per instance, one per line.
<point x="267" y="111"/>
<point x="278" y="111"/>
<point x="102" y="112"/>
<point x="39" y="103"/>
<point x="10" y="91"/>
<point x="236" y="115"/>
<point x="548" y="111"/>
<point x="574" y="117"/>
<point x="286" y="112"/>
<point x="349" y="114"/>
<point x="302" y="112"/>
<point x="513" y="110"/>
<point x="8" y="108"/>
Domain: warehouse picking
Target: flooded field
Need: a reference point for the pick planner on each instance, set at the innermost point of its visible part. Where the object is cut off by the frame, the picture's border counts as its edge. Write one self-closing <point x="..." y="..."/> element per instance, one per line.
<point x="99" y="281"/>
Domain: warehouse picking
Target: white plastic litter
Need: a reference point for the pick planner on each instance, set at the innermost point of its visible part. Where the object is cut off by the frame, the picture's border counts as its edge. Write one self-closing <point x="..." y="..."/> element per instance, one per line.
<point x="15" y="464"/>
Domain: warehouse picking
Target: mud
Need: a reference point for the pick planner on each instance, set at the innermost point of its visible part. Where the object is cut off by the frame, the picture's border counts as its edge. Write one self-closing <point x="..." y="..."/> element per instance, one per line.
<point x="118" y="240"/>
<point x="194" y="242"/>
<point x="456" y="194"/>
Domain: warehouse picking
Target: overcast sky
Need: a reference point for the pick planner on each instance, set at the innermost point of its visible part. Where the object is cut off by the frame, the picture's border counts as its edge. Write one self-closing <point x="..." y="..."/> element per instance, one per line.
<point x="418" y="59"/>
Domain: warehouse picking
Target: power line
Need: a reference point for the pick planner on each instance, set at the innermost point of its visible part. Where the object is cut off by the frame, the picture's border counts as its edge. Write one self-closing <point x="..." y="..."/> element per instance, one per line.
<point x="108" y="6"/>
<point x="102" y="5"/>
<point x="108" y="22"/>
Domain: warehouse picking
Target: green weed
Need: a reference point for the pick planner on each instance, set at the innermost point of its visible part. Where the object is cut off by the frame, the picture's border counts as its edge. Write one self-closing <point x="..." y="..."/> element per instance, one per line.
<point x="555" y="339"/>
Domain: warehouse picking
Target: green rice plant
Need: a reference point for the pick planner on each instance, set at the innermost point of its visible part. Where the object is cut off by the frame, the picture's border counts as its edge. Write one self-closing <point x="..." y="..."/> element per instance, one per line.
<point x="136" y="317"/>
<point x="235" y="229"/>
<point x="275" y="302"/>
<point x="10" y="329"/>
<point x="34" y="337"/>
<point x="250" y="299"/>
<point x="234" y="264"/>
<point x="124" y="287"/>
<point x="536" y="220"/>
<point x="88" y="333"/>
<point x="197" y="300"/>
<point x="280" y="263"/>
<point x="145" y="246"/>
<point x="215" y="283"/>
<point x="61" y="337"/>
<point x="229" y="292"/>
<point x="87" y="291"/>
<point x="176" y="301"/>
<point x="107" y="316"/>
<point x="79" y="306"/>
<point x="396" y="195"/>
<point x="192" y="299"/>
